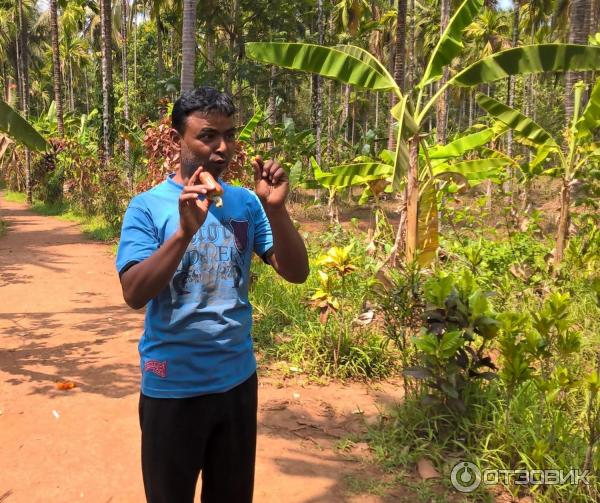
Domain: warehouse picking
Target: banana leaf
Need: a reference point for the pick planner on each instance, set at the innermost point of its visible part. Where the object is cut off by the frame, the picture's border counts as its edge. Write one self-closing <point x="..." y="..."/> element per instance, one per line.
<point x="450" y="44"/>
<point x="353" y="174"/>
<point x="364" y="56"/>
<point x="246" y="133"/>
<point x="325" y="61"/>
<point x="463" y="144"/>
<point x="514" y="119"/>
<point x="590" y="118"/>
<point x="473" y="171"/>
<point x="427" y="226"/>
<point x="20" y="130"/>
<point x="529" y="59"/>
<point x="5" y="142"/>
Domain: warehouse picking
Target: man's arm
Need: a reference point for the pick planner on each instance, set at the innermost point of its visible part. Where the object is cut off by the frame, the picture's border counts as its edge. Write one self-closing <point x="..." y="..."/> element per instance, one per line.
<point x="144" y="280"/>
<point x="289" y="257"/>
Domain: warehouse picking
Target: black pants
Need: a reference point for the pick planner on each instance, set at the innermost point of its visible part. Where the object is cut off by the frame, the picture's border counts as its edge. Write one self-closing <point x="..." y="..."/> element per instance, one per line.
<point x="215" y="434"/>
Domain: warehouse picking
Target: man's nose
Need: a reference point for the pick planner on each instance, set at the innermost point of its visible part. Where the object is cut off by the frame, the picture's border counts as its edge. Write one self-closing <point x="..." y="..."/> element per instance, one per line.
<point x="221" y="146"/>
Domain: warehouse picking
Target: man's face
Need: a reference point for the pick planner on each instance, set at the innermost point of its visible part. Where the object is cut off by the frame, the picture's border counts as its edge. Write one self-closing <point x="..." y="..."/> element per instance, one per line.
<point x="208" y="141"/>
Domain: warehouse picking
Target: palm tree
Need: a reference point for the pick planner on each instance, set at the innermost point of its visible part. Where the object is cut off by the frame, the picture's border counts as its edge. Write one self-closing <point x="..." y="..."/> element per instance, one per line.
<point x="188" y="42"/>
<point x="511" y="79"/>
<point x="399" y="61"/>
<point x="578" y="34"/>
<point x="441" y="111"/>
<point x="107" y="81"/>
<point x="22" y="52"/>
<point x="317" y="89"/>
<point x="124" y="7"/>
<point x="56" y="76"/>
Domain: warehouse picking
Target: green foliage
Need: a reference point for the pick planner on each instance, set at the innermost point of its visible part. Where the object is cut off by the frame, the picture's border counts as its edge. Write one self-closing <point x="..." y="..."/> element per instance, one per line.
<point x="529" y="59"/>
<point x="458" y="330"/>
<point x="19" y="129"/>
<point x="326" y="61"/>
<point x="450" y="44"/>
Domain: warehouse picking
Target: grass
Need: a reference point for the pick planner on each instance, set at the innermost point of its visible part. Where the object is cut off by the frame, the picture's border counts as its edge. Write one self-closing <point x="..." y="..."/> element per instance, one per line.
<point x="93" y="227"/>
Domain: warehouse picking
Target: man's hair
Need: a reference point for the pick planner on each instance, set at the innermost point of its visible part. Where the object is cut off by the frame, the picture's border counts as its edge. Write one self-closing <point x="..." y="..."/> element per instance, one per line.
<point x="202" y="99"/>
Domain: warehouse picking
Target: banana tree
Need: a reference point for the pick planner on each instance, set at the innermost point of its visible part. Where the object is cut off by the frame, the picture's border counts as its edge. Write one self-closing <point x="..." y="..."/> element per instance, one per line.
<point x="19" y="129"/>
<point x="572" y="162"/>
<point x="355" y="66"/>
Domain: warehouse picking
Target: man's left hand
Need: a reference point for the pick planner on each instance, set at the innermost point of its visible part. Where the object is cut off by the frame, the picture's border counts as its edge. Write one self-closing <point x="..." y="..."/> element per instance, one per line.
<point x="271" y="183"/>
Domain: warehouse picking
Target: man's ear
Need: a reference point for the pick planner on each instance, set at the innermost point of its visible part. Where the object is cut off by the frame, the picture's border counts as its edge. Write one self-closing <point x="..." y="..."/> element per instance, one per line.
<point x="175" y="136"/>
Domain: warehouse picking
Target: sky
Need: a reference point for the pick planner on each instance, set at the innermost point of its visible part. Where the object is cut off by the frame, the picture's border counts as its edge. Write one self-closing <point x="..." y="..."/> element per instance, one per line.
<point x="505" y="4"/>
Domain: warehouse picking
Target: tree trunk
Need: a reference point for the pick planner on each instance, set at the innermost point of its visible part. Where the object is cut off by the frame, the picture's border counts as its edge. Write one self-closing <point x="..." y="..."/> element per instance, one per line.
<point x="578" y="34"/>
<point x="56" y="80"/>
<point x="272" y="105"/>
<point x="346" y="114"/>
<point x="331" y="31"/>
<point x="441" y="114"/>
<point x="411" y="45"/>
<point x="511" y="79"/>
<point x="5" y="82"/>
<point x="188" y="42"/>
<point x="562" y="233"/>
<point x="399" y="64"/>
<point x="317" y="91"/>
<point x="107" y="80"/>
<point x="412" y="201"/>
<point x="160" y="68"/>
<point x="134" y="26"/>
<point x="376" y="110"/>
<point x="71" y="90"/>
<point x="23" y="30"/>
<point x="471" y="108"/>
<point x="210" y="47"/>
<point x="124" y="4"/>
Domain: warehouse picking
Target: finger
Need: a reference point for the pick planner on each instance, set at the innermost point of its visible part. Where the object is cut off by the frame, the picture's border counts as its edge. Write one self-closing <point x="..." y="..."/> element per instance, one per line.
<point x="278" y="175"/>
<point x="267" y="168"/>
<point x="196" y="189"/>
<point x="273" y="167"/>
<point x="184" y="198"/>
<point x="203" y="204"/>
<point x="194" y="178"/>
<point x="256" y="169"/>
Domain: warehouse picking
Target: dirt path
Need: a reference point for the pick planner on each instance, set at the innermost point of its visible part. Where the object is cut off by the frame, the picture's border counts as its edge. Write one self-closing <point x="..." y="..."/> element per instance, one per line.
<point x="62" y="317"/>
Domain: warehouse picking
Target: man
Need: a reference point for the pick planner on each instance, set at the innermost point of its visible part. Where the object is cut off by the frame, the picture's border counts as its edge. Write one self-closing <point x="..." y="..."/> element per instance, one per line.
<point x="189" y="261"/>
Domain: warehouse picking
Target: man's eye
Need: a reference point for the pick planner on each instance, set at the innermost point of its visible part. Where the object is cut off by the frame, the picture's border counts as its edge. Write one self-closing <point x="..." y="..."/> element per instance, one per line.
<point x="230" y="136"/>
<point x="205" y="136"/>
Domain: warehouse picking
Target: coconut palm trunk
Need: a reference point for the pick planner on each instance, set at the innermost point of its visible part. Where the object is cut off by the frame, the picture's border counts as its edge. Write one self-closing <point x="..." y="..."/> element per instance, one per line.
<point x="188" y="42"/>
<point x="125" y="69"/>
<point x="441" y="113"/>
<point x="399" y="64"/>
<point x="578" y="34"/>
<point x="56" y="77"/>
<point x="23" y="52"/>
<point x="107" y="80"/>
<point x="317" y="91"/>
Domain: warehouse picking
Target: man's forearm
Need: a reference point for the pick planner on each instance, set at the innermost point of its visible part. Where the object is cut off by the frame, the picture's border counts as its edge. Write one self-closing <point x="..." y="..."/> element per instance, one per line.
<point x="145" y="280"/>
<point x="289" y="250"/>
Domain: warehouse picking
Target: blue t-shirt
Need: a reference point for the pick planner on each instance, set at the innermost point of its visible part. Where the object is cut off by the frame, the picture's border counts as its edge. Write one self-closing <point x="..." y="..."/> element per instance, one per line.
<point x="196" y="337"/>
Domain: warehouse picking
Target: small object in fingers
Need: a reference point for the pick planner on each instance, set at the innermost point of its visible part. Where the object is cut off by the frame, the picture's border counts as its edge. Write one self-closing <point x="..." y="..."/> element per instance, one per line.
<point x="215" y="191"/>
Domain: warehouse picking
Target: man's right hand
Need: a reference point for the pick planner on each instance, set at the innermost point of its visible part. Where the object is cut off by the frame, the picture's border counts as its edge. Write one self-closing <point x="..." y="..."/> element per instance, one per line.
<point x="193" y="211"/>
